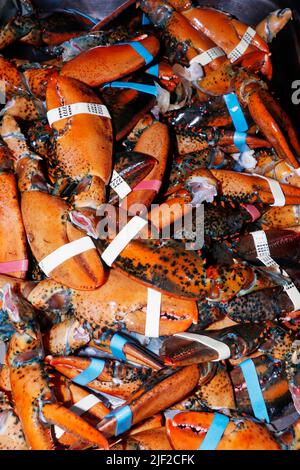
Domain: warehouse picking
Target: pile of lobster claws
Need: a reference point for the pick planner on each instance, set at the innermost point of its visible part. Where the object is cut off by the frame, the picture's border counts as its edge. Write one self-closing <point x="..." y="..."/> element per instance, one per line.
<point x="105" y="64"/>
<point x="80" y="368"/>
<point x="96" y="312"/>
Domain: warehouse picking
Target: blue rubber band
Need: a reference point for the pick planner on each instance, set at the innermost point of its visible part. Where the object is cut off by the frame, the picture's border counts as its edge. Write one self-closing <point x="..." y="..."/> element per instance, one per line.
<point x="90" y="373"/>
<point x="145" y="20"/>
<point x="255" y="394"/>
<point x="236" y="112"/>
<point x="215" y="432"/>
<point x="123" y="416"/>
<point x="140" y="49"/>
<point x="84" y="15"/>
<point x="154" y="70"/>
<point x="150" y="89"/>
<point x="240" y="142"/>
<point x="117" y="344"/>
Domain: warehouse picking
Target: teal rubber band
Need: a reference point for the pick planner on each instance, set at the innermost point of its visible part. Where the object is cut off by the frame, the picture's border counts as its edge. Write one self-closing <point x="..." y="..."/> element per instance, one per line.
<point x="236" y="112"/>
<point x="117" y="344"/>
<point x="145" y="20"/>
<point x="254" y="390"/>
<point x="123" y="416"/>
<point x="90" y="373"/>
<point x="154" y="70"/>
<point x="150" y="89"/>
<point x="140" y="49"/>
<point x="215" y="432"/>
<point x="240" y="142"/>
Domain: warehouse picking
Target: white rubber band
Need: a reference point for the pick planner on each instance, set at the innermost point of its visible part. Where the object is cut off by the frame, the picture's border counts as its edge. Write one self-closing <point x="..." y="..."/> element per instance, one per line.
<point x="123" y="238"/>
<point x="276" y="190"/>
<point x="264" y="255"/>
<point x="82" y="406"/>
<point x="207" y="57"/>
<point x="64" y="253"/>
<point x="243" y="45"/>
<point x="65" y="112"/>
<point x="2" y="352"/>
<point x="221" y="348"/>
<point x="119" y="185"/>
<point x="153" y="313"/>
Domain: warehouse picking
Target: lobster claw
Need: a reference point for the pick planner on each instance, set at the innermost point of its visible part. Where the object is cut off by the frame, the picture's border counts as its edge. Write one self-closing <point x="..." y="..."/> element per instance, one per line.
<point x="34" y="401"/>
<point x="41" y="211"/>
<point x="128" y="106"/>
<point x="209" y="21"/>
<point x="185" y="280"/>
<point x="272" y="121"/>
<point x="183" y="37"/>
<point x="283" y="246"/>
<point x="154" y="141"/>
<point x="159" y="392"/>
<point x="240" y="187"/>
<point x="13" y="252"/>
<point x="187" y="430"/>
<point x="129" y="378"/>
<point x="127" y="309"/>
<point x="281" y="217"/>
<point x="183" y="350"/>
<point x="270" y="26"/>
<point x="265" y="111"/>
<point x="133" y="167"/>
<point x="85" y="159"/>
<point x="274" y="386"/>
<point x="101" y="64"/>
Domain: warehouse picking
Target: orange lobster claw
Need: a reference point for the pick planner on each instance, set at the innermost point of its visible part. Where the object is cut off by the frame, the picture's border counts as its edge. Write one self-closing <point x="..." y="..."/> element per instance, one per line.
<point x="163" y="15"/>
<point x="70" y="422"/>
<point x="188" y="430"/>
<point x="83" y="142"/>
<point x="154" y="141"/>
<point x="104" y="64"/>
<point x="129" y="297"/>
<point x="129" y="377"/>
<point x="242" y="187"/>
<point x="37" y="80"/>
<point x="40" y="212"/>
<point x="227" y="32"/>
<point x="12" y="233"/>
<point x="281" y="217"/>
<point x="270" y="26"/>
<point x="257" y="61"/>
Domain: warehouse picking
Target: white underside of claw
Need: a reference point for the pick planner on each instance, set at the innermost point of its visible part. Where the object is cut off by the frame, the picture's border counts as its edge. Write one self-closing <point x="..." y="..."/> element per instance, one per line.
<point x="164" y="105"/>
<point x="245" y="159"/>
<point x="4" y="418"/>
<point x="189" y="77"/>
<point x="191" y="74"/>
<point x="295" y="392"/>
<point x="202" y="190"/>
